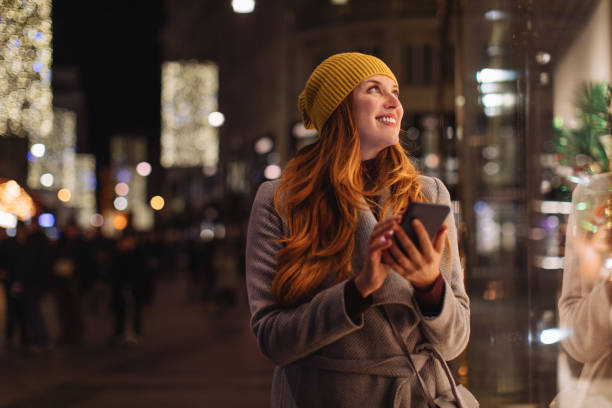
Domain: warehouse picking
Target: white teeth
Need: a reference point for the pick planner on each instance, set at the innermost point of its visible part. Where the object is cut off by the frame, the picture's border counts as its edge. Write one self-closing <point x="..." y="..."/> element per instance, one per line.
<point x="387" y="119"/>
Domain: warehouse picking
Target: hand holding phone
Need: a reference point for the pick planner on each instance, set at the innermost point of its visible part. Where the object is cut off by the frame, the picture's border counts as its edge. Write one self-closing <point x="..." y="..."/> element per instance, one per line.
<point x="431" y="215"/>
<point x="420" y="266"/>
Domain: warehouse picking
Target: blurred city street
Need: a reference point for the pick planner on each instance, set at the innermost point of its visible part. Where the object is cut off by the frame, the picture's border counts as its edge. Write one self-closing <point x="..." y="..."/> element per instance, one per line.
<point x="189" y="356"/>
<point x="134" y="137"/>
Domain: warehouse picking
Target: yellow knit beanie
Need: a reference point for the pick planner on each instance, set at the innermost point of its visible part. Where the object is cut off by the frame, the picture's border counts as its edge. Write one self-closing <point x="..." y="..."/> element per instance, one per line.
<point x="332" y="81"/>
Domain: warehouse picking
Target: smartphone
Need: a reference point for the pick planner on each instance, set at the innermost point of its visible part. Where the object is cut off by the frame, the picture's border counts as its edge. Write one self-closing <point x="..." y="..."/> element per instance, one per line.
<point x="431" y="215"/>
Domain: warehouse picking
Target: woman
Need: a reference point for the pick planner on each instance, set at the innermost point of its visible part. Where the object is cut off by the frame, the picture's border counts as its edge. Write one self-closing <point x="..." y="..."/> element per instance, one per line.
<point x="349" y="319"/>
<point x="585" y="305"/>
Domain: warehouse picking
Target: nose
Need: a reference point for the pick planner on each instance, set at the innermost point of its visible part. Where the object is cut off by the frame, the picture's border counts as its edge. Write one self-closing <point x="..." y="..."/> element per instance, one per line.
<point x="392" y="102"/>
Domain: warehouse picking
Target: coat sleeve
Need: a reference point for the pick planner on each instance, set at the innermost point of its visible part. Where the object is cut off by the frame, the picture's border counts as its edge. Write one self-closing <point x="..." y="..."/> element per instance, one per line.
<point x="449" y="331"/>
<point x="584" y="305"/>
<point x="285" y="335"/>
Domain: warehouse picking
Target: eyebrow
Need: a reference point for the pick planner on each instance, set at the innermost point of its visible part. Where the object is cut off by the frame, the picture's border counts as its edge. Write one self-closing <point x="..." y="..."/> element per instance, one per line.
<point x="380" y="83"/>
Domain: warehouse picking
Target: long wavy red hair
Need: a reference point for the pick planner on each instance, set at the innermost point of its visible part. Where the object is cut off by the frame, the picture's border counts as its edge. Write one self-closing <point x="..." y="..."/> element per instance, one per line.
<point x="320" y="194"/>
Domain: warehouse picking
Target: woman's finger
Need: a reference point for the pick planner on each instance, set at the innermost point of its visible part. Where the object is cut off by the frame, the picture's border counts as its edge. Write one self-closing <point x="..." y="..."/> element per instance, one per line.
<point x="381" y="243"/>
<point x="409" y="248"/>
<point x="399" y="256"/>
<point x="388" y="232"/>
<point x="423" y="237"/>
<point x="381" y="226"/>
<point x="390" y="261"/>
<point x="440" y="238"/>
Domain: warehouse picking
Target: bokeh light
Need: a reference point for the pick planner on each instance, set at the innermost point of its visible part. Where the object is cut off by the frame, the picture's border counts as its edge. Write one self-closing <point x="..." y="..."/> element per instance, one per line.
<point x="243" y="6"/>
<point x="272" y="172"/>
<point x="15" y="200"/>
<point x="46" y="179"/>
<point x="46" y="220"/>
<point x="38" y="150"/>
<point x="64" y="195"/>
<point x="120" y="221"/>
<point x="432" y="161"/>
<point x="96" y="220"/>
<point x="157" y="203"/>
<point x="216" y="119"/>
<point x="264" y="145"/>
<point x="120" y="203"/>
<point x="124" y="176"/>
<point x="143" y="169"/>
<point x="7" y="220"/>
<point x="122" y="189"/>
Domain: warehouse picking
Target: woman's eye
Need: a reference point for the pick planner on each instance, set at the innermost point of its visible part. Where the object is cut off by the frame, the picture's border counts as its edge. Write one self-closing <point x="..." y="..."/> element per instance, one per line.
<point x="373" y="88"/>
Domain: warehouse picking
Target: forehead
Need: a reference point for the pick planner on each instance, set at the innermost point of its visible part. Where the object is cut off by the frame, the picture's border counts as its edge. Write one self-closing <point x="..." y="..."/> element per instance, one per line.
<point x="379" y="79"/>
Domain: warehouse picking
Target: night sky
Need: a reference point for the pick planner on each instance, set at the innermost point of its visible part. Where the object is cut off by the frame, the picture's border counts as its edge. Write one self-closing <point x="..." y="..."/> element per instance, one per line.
<point x="115" y="46"/>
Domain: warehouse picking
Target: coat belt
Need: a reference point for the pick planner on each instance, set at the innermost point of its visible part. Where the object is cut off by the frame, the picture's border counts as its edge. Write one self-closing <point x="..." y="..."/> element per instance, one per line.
<point x="396" y="366"/>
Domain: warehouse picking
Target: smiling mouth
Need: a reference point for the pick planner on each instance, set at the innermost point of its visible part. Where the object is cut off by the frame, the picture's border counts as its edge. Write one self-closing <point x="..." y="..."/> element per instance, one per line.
<point x="387" y="120"/>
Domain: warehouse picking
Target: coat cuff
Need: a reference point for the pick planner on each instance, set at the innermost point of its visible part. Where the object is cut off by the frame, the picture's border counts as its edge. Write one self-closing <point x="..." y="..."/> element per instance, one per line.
<point x="430" y="299"/>
<point x="356" y="304"/>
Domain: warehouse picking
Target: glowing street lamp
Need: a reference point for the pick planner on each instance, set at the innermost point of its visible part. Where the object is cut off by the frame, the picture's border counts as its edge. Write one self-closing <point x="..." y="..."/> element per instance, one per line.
<point x="243" y="6"/>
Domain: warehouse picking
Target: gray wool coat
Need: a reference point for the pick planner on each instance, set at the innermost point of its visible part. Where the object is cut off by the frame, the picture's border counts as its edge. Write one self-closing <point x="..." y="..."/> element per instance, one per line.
<point x="323" y="358"/>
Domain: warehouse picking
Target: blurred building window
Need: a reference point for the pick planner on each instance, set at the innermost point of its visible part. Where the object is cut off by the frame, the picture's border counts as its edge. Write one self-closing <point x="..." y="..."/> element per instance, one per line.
<point x="409" y="65"/>
<point x="448" y="65"/>
<point x="427" y="64"/>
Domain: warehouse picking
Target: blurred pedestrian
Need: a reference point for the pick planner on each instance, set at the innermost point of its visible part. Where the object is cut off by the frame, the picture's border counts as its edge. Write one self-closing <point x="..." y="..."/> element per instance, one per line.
<point x="129" y="287"/>
<point x="225" y="264"/>
<point x="201" y="270"/>
<point x="13" y="250"/>
<point x="67" y="268"/>
<point x="36" y="270"/>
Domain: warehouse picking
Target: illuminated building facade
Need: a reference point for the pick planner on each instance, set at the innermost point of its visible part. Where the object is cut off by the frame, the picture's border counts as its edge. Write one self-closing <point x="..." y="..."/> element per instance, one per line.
<point x="52" y="162"/>
<point x="128" y="184"/>
<point x="189" y="96"/>
<point x="25" y="72"/>
<point x="83" y="191"/>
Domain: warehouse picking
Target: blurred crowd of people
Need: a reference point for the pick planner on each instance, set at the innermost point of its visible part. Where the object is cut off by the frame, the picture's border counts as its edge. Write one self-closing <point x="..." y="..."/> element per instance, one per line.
<point x="87" y="274"/>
